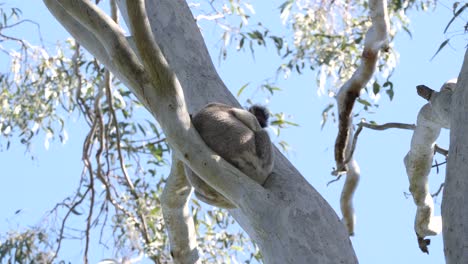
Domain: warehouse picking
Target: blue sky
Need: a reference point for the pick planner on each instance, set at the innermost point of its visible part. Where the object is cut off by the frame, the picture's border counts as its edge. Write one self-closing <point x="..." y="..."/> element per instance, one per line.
<point x="385" y="217"/>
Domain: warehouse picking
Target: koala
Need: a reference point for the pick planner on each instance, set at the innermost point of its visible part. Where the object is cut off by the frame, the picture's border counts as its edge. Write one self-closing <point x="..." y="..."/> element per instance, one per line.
<point x="239" y="137"/>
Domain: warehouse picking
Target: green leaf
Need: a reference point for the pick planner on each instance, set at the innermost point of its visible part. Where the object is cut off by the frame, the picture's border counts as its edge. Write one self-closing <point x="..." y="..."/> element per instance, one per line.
<point x="441" y="47"/>
<point x="257" y="35"/>
<point x="278" y="42"/>
<point x="390" y="93"/>
<point x="406" y="29"/>
<point x="325" y="114"/>
<point x="241" y="43"/>
<point x="364" y="102"/>
<point x="376" y="88"/>
<point x="142" y="129"/>
<point x="242" y="89"/>
<point x="387" y="83"/>
<point x="455" y="16"/>
<point x="270" y="88"/>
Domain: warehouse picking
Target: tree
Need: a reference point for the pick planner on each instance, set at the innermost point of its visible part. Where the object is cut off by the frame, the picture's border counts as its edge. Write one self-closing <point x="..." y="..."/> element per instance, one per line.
<point x="162" y="89"/>
<point x="99" y="42"/>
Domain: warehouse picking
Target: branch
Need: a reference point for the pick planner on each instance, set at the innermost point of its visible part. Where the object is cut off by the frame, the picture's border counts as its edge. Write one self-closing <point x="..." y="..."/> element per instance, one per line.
<point x="103" y="38"/>
<point x="71" y="209"/>
<point x="418" y="163"/>
<point x="79" y="32"/>
<point x="128" y="181"/>
<point x="149" y="51"/>
<point x="107" y="31"/>
<point x="376" y="40"/>
<point x="168" y="105"/>
<point x="387" y="126"/>
<point x="179" y="222"/>
<point x="353" y="172"/>
<point x="346" y="200"/>
<point x="441" y="187"/>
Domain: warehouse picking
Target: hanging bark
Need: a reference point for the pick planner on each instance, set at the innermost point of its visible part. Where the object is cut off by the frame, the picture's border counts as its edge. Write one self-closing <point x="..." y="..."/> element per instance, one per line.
<point x="432" y="117"/>
<point x="376" y="40"/>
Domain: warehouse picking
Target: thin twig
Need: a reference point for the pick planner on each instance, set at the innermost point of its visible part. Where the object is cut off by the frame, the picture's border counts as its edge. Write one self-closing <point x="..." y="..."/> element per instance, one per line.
<point x="437" y="165"/>
<point x="438" y="190"/>
<point x="353" y="146"/>
<point x="335" y="180"/>
<point x="65" y="218"/>
<point x="385" y="126"/>
<point x="87" y="146"/>
<point x="79" y="99"/>
<point x="26" y="21"/>
<point x="89" y="218"/>
<point x="144" y="227"/>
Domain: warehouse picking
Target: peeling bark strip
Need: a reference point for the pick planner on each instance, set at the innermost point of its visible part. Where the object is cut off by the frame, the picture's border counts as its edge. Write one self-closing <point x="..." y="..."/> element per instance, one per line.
<point x="376" y="40"/>
<point x="344" y="130"/>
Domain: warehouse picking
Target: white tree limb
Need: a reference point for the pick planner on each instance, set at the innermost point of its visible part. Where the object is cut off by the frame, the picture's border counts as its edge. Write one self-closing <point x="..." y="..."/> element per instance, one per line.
<point x="418" y="162"/>
<point x="179" y="222"/>
<point x="346" y="200"/>
<point x="171" y="112"/>
<point x="90" y="40"/>
<point x="87" y="39"/>
<point x="112" y="38"/>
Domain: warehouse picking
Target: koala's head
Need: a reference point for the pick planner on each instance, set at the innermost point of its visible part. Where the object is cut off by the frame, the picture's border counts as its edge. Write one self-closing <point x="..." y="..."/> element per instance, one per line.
<point x="261" y="113"/>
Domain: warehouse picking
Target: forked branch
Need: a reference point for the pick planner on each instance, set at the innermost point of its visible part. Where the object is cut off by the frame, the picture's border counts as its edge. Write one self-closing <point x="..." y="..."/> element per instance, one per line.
<point x="168" y="105"/>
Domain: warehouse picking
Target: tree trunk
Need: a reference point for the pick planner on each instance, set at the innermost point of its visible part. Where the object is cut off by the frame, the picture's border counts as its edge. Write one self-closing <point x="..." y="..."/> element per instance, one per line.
<point x="302" y="228"/>
<point x="454" y="203"/>
<point x="290" y="221"/>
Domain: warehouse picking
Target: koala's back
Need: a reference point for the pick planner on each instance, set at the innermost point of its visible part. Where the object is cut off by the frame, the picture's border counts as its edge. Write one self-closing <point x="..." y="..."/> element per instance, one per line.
<point x="223" y="133"/>
<point x="250" y="151"/>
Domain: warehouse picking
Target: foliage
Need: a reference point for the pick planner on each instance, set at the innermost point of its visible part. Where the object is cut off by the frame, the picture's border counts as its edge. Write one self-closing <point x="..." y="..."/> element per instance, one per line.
<point x="124" y="151"/>
<point x="326" y="37"/>
<point x="30" y="246"/>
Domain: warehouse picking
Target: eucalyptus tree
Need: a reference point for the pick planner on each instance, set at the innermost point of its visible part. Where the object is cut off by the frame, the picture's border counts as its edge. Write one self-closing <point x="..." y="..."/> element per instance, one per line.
<point x="165" y="65"/>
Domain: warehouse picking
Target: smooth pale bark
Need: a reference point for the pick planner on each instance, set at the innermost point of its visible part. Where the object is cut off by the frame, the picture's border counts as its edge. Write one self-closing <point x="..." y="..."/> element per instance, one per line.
<point x="418" y="163"/>
<point x="454" y="203"/>
<point x="432" y="117"/>
<point x="287" y="218"/>
<point x="175" y="205"/>
<point x="302" y="227"/>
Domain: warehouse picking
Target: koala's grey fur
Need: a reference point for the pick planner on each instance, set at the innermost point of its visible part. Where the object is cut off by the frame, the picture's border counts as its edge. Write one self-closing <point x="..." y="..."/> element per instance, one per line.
<point x="238" y="136"/>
